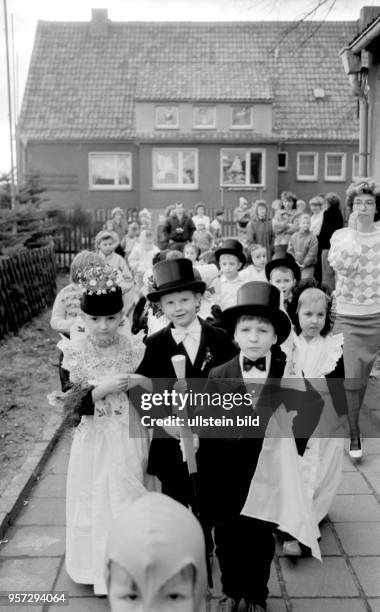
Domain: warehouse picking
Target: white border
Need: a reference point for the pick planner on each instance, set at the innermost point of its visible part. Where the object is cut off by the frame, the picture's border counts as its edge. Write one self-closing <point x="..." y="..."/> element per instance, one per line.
<point x="283" y="168"/>
<point x="94" y="187"/>
<point x="245" y="126"/>
<point x="306" y="177"/>
<point x="355" y="178"/>
<point x="182" y="187"/>
<point x="243" y="185"/>
<point x="204" y="127"/>
<point x="342" y="176"/>
<point x="164" y="126"/>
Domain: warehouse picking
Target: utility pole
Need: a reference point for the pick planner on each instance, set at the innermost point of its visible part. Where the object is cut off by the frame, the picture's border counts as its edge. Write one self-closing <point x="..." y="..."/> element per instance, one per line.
<point x="13" y="188"/>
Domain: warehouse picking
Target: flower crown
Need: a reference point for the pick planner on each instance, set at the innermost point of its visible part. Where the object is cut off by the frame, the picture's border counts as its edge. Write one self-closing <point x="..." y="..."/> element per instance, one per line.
<point x="98" y="280"/>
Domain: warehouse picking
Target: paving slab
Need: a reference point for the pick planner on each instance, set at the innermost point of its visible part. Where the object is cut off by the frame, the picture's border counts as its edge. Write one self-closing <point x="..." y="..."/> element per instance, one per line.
<point x="368" y="571"/>
<point x="354" y="508"/>
<point x="40" y="511"/>
<point x="328" y="543"/>
<point x="353" y="483"/>
<point x="328" y="605"/>
<point x="310" y="578"/>
<point x="348" y="465"/>
<point x="36" y="541"/>
<point x="51" y="485"/>
<point x="64" y="583"/>
<point x="359" y="538"/>
<point x="375" y="604"/>
<point x="28" y="574"/>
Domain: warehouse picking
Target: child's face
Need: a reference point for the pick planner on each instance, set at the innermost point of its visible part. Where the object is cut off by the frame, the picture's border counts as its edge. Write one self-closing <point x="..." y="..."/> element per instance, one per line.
<point x="176" y="595"/>
<point x="118" y="217"/>
<point x="103" y="327"/>
<point x="261" y="212"/>
<point x="312" y="318"/>
<point x="190" y="253"/>
<point x="304" y="223"/>
<point x="259" y="258"/>
<point x="180" y="307"/>
<point x="106" y="246"/>
<point x="161" y="218"/>
<point x="229" y="266"/>
<point x="283" y="279"/>
<point x="315" y="208"/>
<point x="255" y="336"/>
<point x="200" y="210"/>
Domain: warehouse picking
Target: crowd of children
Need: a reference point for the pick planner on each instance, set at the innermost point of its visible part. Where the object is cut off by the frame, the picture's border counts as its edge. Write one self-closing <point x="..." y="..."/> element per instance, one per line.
<point x="246" y="315"/>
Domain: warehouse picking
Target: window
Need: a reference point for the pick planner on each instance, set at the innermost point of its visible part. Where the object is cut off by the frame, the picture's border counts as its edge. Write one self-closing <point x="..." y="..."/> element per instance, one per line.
<point x="110" y="170"/>
<point x="307" y="166"/>
<point x="242" y="117"/>
<point x="335" y="166"/>
<point x="167" y="117"/>
<point x="282" y="163"/>
<point x="355" y="166"/>
<point x="242" y="167"/>
<point x="204" y="117"/>
<point x="175" y="169"/>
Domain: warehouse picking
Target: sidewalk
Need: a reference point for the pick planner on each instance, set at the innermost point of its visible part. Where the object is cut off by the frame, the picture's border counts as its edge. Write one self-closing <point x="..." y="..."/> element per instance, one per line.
<point x="348" y="580"/>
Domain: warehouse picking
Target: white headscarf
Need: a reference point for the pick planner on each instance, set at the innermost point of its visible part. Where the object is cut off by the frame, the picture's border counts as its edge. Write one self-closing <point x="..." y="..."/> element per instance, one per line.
<point x="154" y="538"/>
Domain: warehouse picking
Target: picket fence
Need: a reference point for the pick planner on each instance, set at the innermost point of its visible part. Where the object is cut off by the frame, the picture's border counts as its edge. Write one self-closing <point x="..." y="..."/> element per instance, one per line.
<point x="27" y="286"/>
<point x="77" y="234"/>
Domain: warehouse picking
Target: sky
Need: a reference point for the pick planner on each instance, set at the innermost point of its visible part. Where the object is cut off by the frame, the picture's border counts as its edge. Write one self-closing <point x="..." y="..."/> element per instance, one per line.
<point x="23" y="16"/>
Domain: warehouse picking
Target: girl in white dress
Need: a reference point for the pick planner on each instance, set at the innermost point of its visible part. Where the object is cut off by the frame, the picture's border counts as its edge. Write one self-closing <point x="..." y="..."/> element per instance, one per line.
<point x="318" y="356"/>
<point x="109" y="452"/>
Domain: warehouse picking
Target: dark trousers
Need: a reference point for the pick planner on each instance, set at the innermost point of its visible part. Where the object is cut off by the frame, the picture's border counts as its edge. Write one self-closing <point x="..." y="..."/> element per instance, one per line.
<point x="245" y="549"/>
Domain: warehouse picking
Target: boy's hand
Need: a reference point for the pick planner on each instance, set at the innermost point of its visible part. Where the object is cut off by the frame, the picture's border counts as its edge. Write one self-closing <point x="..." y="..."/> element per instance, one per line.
<point x="180" y="386"/>
<point x="173" y="430"/>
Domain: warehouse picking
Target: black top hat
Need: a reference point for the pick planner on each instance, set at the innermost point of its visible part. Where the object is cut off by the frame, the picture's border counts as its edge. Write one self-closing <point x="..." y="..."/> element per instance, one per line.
<point x="287" y="262"/>
<point x="174" y="275"/>
<point x="231" y="247"/>
<point x="260" y="299"/>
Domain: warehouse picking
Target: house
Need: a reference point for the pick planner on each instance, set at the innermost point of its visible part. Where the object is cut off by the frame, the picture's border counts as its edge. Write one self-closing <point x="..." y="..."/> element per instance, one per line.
<point x="361" y="60"/>
<point x="141" y="114"/>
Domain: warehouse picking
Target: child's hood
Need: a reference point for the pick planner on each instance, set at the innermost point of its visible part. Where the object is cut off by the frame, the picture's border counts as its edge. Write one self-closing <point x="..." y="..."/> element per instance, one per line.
<point x="154" y="538"/>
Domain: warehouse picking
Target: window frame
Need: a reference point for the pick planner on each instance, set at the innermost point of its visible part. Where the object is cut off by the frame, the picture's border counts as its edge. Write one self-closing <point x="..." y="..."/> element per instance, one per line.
<point x="354" y="177"/>
<point x="306" y="177"/>
<point x="342" y="177"/>
<point x="245" y="126"/>
<point x="204" y="127"/>
<point x="180" y="186"/>
<point x="158" y="126"/>
<point x="96" y="187"/>
<point x="283" y="168"/>
<point x="247" y="150"/>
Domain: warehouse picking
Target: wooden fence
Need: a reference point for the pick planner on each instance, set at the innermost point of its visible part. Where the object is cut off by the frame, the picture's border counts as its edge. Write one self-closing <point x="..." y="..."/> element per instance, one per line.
<point x="79" y="234"/>
<point x="27" y="286"/>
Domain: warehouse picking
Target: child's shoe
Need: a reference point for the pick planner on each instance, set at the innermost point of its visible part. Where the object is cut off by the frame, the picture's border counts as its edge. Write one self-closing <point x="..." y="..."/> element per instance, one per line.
<point x="356" y="449"/>
<point x="291" y="548"/>
<point x="227" y="604"/>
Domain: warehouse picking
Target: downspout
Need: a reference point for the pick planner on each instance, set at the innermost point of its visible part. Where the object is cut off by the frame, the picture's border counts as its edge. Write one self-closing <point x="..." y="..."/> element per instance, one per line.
<point x="359" y="92"/>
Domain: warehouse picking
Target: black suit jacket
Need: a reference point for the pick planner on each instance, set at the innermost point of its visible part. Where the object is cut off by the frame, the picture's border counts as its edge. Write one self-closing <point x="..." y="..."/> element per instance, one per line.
<point x="215" y="348"/>
<point x="227" y="464"/>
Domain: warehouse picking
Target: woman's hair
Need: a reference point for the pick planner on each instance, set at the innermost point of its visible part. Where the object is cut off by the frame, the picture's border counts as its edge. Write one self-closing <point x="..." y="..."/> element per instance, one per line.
<point x="173" y="254"/>
<point x="288" y="195"/>
<point x="198" y="205"/>
<point x="318" y="200"/>
<point x="116" y="211"/>
<point x="363" y="186"/>
<point x="315" y="291"/>
<point x="83" y="260"/>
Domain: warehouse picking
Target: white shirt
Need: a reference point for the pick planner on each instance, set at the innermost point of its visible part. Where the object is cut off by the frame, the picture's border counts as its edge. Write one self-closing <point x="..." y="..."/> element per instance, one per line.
<point x="190" y="342"/>
<point x="226" y="291"/>
<point x="252" y="274"/>
<point x="202" y="219"/>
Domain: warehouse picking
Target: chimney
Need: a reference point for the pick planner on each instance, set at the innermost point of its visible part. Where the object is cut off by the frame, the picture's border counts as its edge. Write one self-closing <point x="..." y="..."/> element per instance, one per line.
<point x="367" y="15"/>
<point x="99" y="22"/>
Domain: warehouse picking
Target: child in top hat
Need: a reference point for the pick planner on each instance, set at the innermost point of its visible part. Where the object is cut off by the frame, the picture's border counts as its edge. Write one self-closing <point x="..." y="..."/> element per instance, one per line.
<point x="283" y="273"/>
<point x="250" y="476"/>
<point x="109" y="452"/>
<point x="179" y="292"/>
<point x="156" y="558"/>
<point x="230" y="259"/>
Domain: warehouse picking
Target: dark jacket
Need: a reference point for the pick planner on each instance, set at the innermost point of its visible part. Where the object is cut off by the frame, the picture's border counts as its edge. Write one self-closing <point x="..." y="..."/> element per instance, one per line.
<point x="332" y="221"/>
<point x="227" y="464"/>
<point x="173" y="227"/>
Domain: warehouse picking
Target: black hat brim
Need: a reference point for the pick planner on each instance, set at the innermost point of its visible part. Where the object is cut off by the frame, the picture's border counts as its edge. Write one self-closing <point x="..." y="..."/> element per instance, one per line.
<point x="283" y="262"/>
<point x="277" y="317"/>
<point x="226" y="251"/>
<point x="196" y="286"/>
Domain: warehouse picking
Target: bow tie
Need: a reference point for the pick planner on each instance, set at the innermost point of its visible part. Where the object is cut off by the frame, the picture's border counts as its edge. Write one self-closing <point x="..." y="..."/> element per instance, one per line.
<point x="260" y="364"/>
<point x="179" y="335"/>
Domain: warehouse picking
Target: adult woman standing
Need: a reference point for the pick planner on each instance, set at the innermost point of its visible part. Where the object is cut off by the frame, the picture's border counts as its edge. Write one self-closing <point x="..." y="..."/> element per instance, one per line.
<point x="355" y="257"/>
<point x="332" y="221"/>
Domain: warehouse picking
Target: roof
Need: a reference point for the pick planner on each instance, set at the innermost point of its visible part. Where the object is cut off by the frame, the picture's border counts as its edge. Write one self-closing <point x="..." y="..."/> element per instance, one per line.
<point x="82" y="86"/>
<point x="367" y="35"/>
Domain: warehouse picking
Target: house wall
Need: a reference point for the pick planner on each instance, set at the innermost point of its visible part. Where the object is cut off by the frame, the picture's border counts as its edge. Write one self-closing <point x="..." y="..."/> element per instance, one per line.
<point x="374" y="111"/>
<point x="209" y="190"/>
<point x="145" y="117"/>
<point x="64" y="170"/>
<point x="305" y="190"/>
